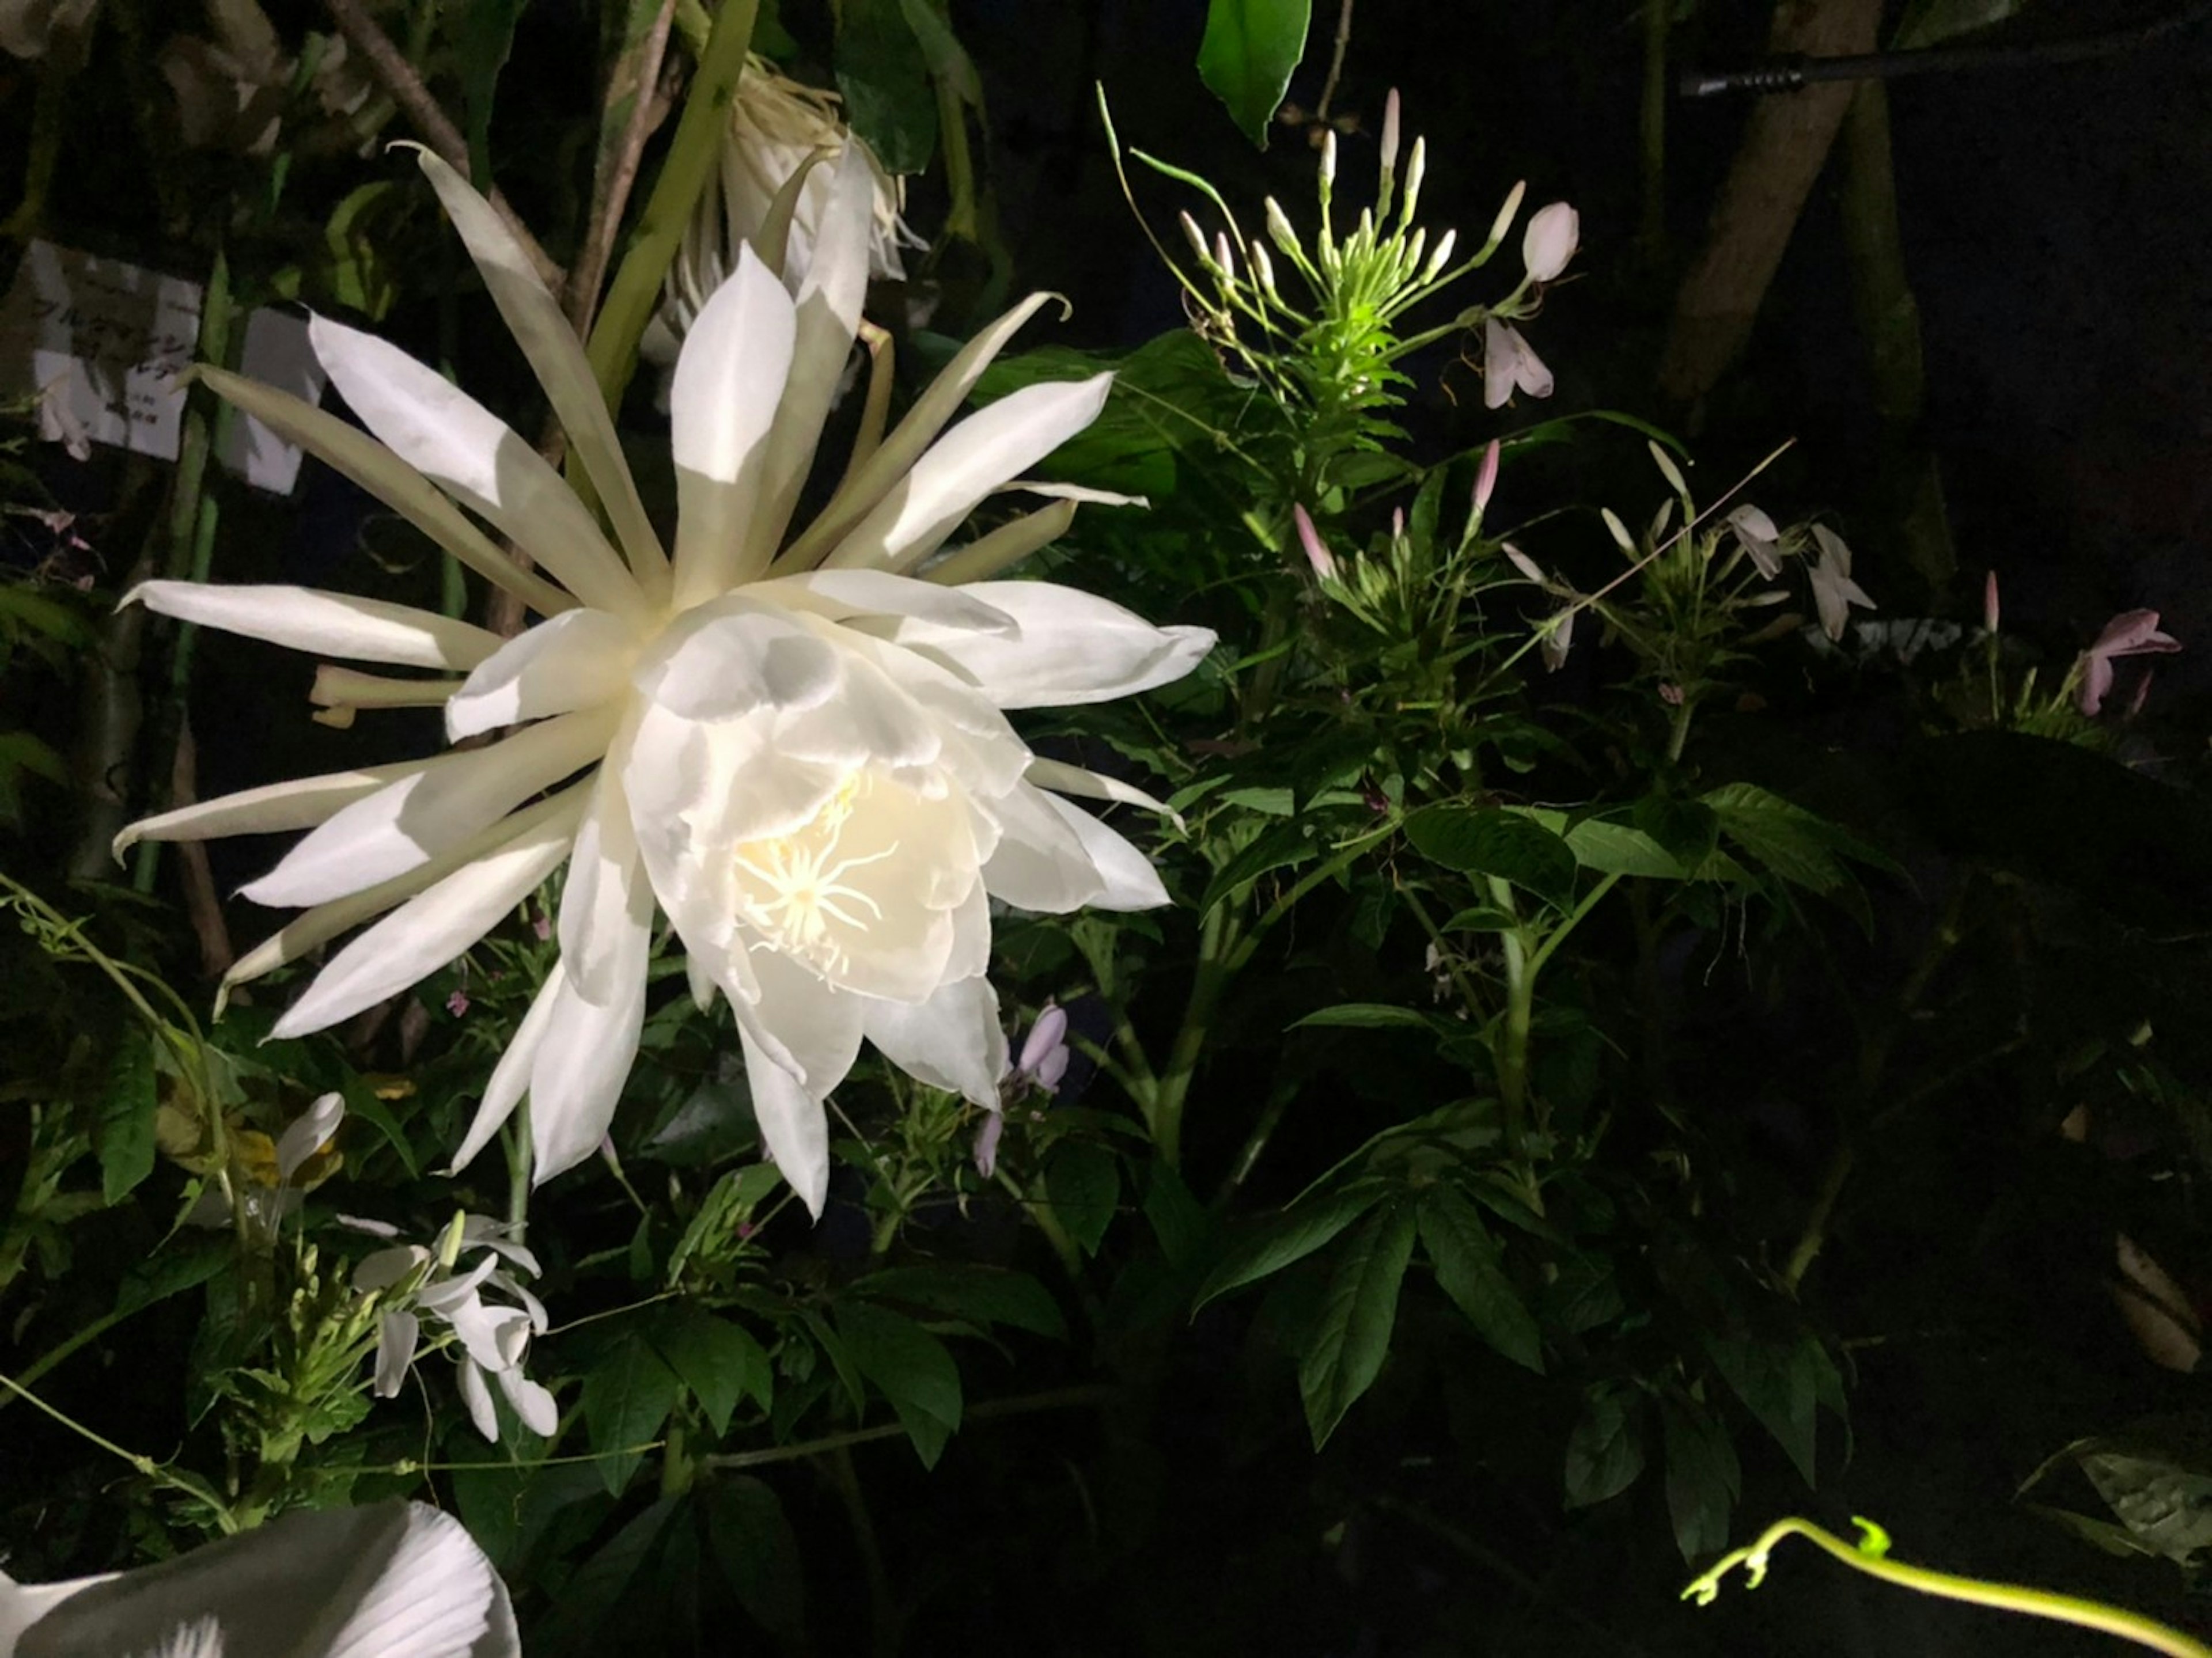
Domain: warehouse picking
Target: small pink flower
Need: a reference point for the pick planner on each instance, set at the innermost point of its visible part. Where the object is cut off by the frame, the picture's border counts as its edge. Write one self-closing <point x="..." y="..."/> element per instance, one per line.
<point x="1509" y="364"/>
<point x="542" y="926"/>
<point x="1671" y="695"/>
<point x="458" y="1002"/>
<point x="1550" y="241"/>
<point x="987" y="1143"/>
<point x="2131" y="633"/>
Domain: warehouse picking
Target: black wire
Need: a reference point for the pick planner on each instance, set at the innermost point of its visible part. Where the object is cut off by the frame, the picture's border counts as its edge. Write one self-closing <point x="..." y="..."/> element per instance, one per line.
<point x="1790" y="74"/>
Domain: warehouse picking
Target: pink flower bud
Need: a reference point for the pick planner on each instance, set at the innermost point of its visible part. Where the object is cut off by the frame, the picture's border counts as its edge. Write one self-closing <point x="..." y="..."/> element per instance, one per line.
<point x="1486" y="479"/>
<point x="1317" y="554"/>
<point x="1990" y="602"/>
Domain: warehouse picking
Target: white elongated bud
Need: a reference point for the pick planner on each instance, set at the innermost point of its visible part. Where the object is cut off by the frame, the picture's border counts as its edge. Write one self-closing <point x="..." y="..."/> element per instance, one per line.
<point x="1328" y="158"/>
<point x="1280" y="229"/>
<point x="1668" y="470"/>
<point x="1409" y="258"/>
<point x="1222" y="255"/>
<point x="1440" y="257"/>
<point x="1390" y="140"/>
<point x="1661" y="520"/>
<point x="1503" y="221"/>
<point x="1619" y="530"/>
<point x="1521" y="561"/>
<point x="1550" y="241"/>
<point x="1415" y="167"/>
<point x="1197" y="238"/>
<point x="1263" y="268"/>
<point x="1486" y="479"/>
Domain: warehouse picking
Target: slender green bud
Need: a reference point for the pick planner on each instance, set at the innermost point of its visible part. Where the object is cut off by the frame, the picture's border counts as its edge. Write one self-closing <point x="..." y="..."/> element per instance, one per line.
<point x="1197" y="239"/>
<point x="1440" y="257"/>
<point x="1619" y="530"/>
<point x="1415" y="167"/>
<point x="1503" y="221"/>
<point x="1280" y="229"/>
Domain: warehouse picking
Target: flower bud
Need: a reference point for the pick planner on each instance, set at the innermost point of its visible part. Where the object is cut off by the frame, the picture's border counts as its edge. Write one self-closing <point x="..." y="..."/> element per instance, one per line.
<point x="1990" y="602"/>
<point x="1503" y="221"/>
<point x="1280" y="229"/>
<point x="1223" y="256"/>
<point x="1263" y="268"/>
<point x="1317" y="553"/>
<point x="1415" y="168"/>
<point x="1668" y="470"/>
<point x="1197" y="238"/>
<point x="1327" y="158"/>
<point x="1521" y="561"/>
<point x="1486" y="479"/>
<point x="1550" y="241"/>
<point x="1440" y="257"/>
<point x="1618" y="529"/>
<point x="1389" y="139"/>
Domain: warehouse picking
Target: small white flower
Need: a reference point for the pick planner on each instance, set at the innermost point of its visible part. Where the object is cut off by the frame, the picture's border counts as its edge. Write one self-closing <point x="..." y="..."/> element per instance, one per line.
<point x="1834" y="592"/>
<point x="1755" y="533"/>
<point x="1550" y="241"/>
<point x="1509" y="364"/>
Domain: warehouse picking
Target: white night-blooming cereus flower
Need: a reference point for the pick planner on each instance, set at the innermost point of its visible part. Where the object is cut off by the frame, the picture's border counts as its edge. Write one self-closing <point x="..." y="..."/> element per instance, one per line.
<point x="495" y="1336"/>
<point x="393" y="1580"/>
<point x="777" y="125"/>
<point x="801" y="755"/>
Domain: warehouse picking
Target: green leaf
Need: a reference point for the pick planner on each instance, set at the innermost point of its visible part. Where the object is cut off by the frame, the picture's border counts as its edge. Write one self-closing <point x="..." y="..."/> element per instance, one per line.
<point x="171" y="1269"/>
<point x="1368" y="1016"/>
<point x="982" y="1295"/>
<point x="1780" y="1384"/>
<point x="1469" y="1270"/>
<point x="592" y="1592"/>
<point x="1492" y="840"/>
<point x="912" y="1370"/>
<point x="627" y="1398"/>
<point x="1702" y="1478"/>
<point x="758" y="1553"/>
<point x="124" y="1131"/>
<point x="484" y="37"/>
<point x="1794" y="844"/>
<point x="1281" y="847"/>
<point x="1246" y="56"/>
<point x="884" y="73"/>
<point x="1177" y="1220"/>
<point x="718" y="1360"/>
<point x="1687" y="830"/>
<point x="1930" y="22"/>
<point x="361" y="1101"/>
<point x="1082" y="1184"/>
<point x="1269" y="802"/>
<point x="1352" y="1335"/>
<point x="1605" y="1453"/>
<point x="1289" y="1238"/>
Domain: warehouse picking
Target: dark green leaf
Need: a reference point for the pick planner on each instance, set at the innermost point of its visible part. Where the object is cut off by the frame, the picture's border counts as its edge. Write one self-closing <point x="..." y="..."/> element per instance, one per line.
<point x="885" y="75"/>
<point x="483" y="36"/>
<point x="1780" y="1383"/>
<point x="1491" y="841"/>
<point x="1281" y="847"/>
<point x="1368" y="1016"/>
<point x="912" y="1370"/>
<point x="1289" y="1238"/>
<point x="361" y="1101"/>
<point x="1605" y="1453"/>
<point x="1930" y="22"/>
<point x="1688" y="830"/>
<point x="1177" y="1220"/>
<point x="1469" y="1270"/>
<point x="124" y="1132"/>
<point x="1246" y="59"/>
<point x="1582" y="1294"/>
<point x="750" y="1537"/>
<point x="176" y="1267"/>
<point x="1798" y="846"/>
<point x="1703" y="1479"/>
<point x="586" y="1601"/>
<point x="982" y="1295"/>
<point x="1082" y="1184"/>
<point x="627" y="1397"/>
<point x="718" y="1360"/>
<point x="1352" y="1337"/>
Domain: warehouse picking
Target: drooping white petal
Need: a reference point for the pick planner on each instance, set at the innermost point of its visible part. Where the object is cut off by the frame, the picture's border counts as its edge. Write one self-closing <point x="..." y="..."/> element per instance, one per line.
<point x="607" y="908"/>
<point x="467" y="451"/>
<point x="406" y="824"/>
<point x="531" y="1402"/>
<point x="432" y="928"/>
<point x="859" y="597"/>
<point x="556" y="357"/>
<point x="573" y="661"/>
<point x="1131" y="881"/>
<point x="477" y="1397"/>
<point x="324" y="625"/>
<point x="576" y="1080"/>
<point x="873" y="479"/>
<point x="1093" y="784"/>
<point x="953" y="1040"/>
<point x="354" y="454"/>
<point x="1040" y="862"/>
<point x="809" y="1029"/>
<point x="1072" y="647"/>
<point x="398" y="1335"/>
<point x="510" y="1078"/>
<point x="306" y="1133"/>
<point x="1000" y="441"/>
<point x="300" y="803"/>
<point x="794" y="1128"/>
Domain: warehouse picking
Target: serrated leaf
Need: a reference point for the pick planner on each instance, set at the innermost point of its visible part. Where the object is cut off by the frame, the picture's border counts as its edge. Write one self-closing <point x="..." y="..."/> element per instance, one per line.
<point x="981" y="1295"/>
<point x="718" y="1360"/>
<point x="123" y="1132"/>
<point x="753" y="1542"/>
<point x="1605" y="1452"/>
<point x="1352" y="1338"/>
<point x="1082" y="1184"/>
<point x="1688" y="831"/>
<point x="1246" y="56"/>
<point x="1492" y="840"/>
<point x="1281" y="847"/>
<point x="627" y="1398"/>
<point x="1797" y="845"/>
<point x="182" y="1265"/>
<point x="1288" y="1238"/>
<point x="1469" y="1270"/>
<point x="1702" y="1478"/>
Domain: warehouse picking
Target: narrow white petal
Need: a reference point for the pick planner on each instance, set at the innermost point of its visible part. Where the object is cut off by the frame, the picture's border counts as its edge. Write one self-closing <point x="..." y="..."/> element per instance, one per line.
<point x="570" y="662"/>
<point x="794" y="1128"/>
<point x="468" y="452"/>
<point x="722" y="408"/>
<point x="531" y="1402"/>
<point x="432" y="928"/>
<point x="1131" y="881"/>
<point x="607" y="908"/>
<point x="851" y="595"/>
<point x="975" y="457"/>
<point x="354" y="454"/>
<point x="1092" y="785"/>
<point x="302" y="803"/>
<point x="397" y="1336"/>
<point x="511" y="1076"/>
<point x="699" y="978"/>
<point x="324" y="625"/>
<point x="477" y="1397"/>
<point x="1000" y="550"/>
<point x="406" y="824"/>
<point x="953" y="1040"/>
<point x="306" y="1134"/>
<point x="581" y="1066"/>
<point x="1040" y="862"/>
<point x="556" y="357"/>
<point x="1072" y="647"/>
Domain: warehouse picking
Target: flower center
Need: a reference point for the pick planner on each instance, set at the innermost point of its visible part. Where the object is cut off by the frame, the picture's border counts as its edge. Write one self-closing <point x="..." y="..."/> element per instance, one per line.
<point x="792" y="888"/>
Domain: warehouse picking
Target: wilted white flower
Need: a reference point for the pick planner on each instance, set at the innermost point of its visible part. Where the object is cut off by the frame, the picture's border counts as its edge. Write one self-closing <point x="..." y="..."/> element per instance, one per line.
<point x="1509" y="364"/>
<point x="1550" y="240"/>
<point x="272" y="1181"/>
<point x="1833" y="590"/>
<point x="1755" y="533"/>
<point x="495" y="1336"/>
<point x="807" y="763"/>
<point x="398" y="1579"/>
<point x="2131" y="633"/>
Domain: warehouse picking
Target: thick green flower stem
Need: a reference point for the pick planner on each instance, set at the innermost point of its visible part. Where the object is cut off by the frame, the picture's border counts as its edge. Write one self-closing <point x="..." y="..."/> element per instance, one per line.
<point x="1218" y="937"/>
<point x="1975" y="1591"/>
<point x="692" y="157"/>
<point x="1678" y="728"/>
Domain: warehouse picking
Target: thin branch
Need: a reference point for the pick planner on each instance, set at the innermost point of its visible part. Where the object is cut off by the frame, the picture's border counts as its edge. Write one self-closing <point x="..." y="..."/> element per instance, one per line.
<point x="1335" y="62"/>
<point x="398" y="76"/>
<point x="618" y="171"/>
<point x="1057" y="1399"/>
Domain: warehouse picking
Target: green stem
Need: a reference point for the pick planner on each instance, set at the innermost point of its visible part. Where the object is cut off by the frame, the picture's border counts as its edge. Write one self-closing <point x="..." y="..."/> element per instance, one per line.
<point x="883" y="1618"/>
<point x="1520" y="1011"/>
<point x="686" y="173"/>
<point x="1678" y="728"/>
<point x="1217" y="939"/>
<point x="1057" y="1399"/>
<point x="1949" y="1586"/>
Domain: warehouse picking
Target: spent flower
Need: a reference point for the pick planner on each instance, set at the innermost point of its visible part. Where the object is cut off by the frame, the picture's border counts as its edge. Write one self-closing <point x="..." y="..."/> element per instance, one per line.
<point x="2131" y="633"/>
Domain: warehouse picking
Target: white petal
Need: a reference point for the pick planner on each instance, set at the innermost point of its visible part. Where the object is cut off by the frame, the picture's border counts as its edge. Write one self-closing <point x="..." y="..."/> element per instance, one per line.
<point x="302" y="803"/>
<point x="1000" y="441"/>
<point x="572" y="661"/>
<point x="805" y="1026"/>
<point x="1550" y="240"/>
<point x="406" y="824"/>
<point x="577" y="1079"/>
<point x="731" y="657"/>
<point x="306" y="1134"/>
<point x="435" y="1595"/>
<point x="1095" y="786"/>
<point x="699" y="978"/>
<point x="478" y="1398"/>
<point x="324" y="625"/>
<point x="467" y="451"/>
<point x="556" y="357"/>
<point x="1040" y="862"/>
<point x="859" y="493"/>
<point x="1073" y="647"/>
<point x="953" y="1040"/>
<point x="723" y="407"/>
<point x="847" y="596"/>
<point x="531" y="1402"/>
<point x="1131" y="882"/>
<point x="354" y="454"/>
<point x="794" y="1128"/>
<point x="511" y="1076"/>
<point x="607" y="908"/>
<point x="398" y="1335"/>
<point x="432" y="928"/>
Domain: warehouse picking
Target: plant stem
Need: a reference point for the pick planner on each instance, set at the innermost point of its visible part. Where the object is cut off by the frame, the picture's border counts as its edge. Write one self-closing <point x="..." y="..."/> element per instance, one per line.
<point x="1057" y="1399"/>
<point x="883" y="1620"/>
<point x="1335" y="61"/>
<point x="636" y="69"/>
<point x="1520" y="1009"/>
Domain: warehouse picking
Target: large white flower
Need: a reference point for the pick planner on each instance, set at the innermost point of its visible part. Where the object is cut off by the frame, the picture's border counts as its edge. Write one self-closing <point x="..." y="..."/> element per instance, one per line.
<point x="801" y="756"/>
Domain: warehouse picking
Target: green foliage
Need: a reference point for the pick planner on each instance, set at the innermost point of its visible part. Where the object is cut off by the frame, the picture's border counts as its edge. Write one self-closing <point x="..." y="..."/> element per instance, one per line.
<point x="1246" y="58"/>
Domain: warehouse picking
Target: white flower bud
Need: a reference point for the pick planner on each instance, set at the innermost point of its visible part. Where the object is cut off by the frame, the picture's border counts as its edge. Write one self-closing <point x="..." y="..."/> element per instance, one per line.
<point x="1279" y="229"/>
<point x="1550" y="241"/>
<point x="1503" y="221"/>
<point x="1415" y="168"/>
<point x="1327" y="158"/>
<point x="1390" y="138"/>
<point x="1223" y="256"/>
<point x="1618" y="531"/>
<point x="1668" y="470"/>
<point x="1263" y="268"/>
<point x="1440" y="257"/>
